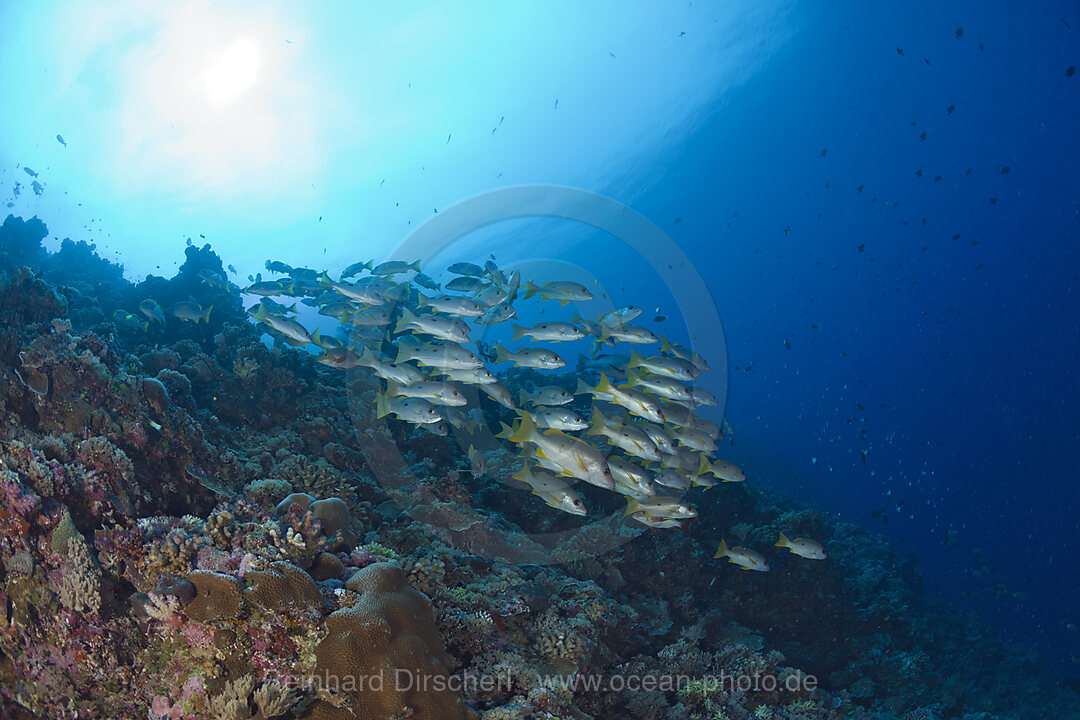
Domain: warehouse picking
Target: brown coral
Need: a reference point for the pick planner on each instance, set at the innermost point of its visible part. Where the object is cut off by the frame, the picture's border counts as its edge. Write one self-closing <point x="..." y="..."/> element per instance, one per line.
<point x="283" y="586"/>
<point x="387" y="637"/>
<point x="218" y="596"/>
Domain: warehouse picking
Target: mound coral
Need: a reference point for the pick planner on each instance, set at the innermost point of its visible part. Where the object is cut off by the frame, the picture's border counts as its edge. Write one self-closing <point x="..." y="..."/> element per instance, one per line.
<point x="386" y="654"/>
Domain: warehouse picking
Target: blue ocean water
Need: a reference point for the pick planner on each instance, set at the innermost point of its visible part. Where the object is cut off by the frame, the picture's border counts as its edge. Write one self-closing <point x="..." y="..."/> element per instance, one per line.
<point x="882" y="199"/>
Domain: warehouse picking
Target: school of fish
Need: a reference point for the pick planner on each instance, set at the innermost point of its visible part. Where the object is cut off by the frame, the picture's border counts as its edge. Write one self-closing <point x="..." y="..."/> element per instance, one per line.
<point x="643" y="438"/>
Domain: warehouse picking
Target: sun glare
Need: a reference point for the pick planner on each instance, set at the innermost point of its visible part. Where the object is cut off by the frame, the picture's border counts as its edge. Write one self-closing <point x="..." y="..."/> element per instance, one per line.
<point x="232" y="72"/>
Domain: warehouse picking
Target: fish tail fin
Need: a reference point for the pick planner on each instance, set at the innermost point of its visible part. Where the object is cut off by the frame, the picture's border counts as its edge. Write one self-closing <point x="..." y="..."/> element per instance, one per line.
<point x="525" y="431"/>
<point x="531" y="289"/>
<point x="635" y="360"/>
<point x="703" y="465"/>
<point x="633" y="377"/>
<point x="517" y="333"/>
<point x="665" y="345"/>
<point x="632" y="505"/>
<point x="366" y="358"/>
<point x="604" y="386"/>
<point x="382" y="405"/>
<point x="582" y="388"/>
<point x="404" y="353"/>
<point x="408" y="317"/>
<point x="422" y="299"/>
<point x="501" y="354"/>
<point x="415" y="265"/>
<point x="523" y="474"/>
<point x="523" y="397"/>
<point x="721" y="551"/>
<point x="206" y="315"/>
<point x="783" y="541"/>
<point x="598" y="424"/>
<point x="581" y="363"/>
<point x="316" y="337"/>
<point x="505" y="433"/>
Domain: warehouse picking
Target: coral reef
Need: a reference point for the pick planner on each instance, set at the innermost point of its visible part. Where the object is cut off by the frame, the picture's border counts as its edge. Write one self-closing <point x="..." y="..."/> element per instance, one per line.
<point x="194" y="524"/>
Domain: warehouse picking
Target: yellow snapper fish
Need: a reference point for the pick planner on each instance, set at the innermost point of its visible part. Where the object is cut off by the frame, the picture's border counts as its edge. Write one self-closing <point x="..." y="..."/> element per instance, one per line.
<point x="726" y="471"/>
<point x="673" y="368"/>
<point x="443" y="328"/>
<point x="435" y="392"/>
<point x="630" y="480"/>
<point x="637" y="402"/>
<point x="632" y="334"/>
<point x="356" y="268"/>
<point x="477" y="465"/>
<point x="554" y="491"/>
<point x="661" y="523"/>
<point x="620" y="316"/>
<point x="700" y="396"/>
<point x="625" y="436"/>
<point x="152" y="311"/>
<point x="497" y="276"/>
<point x="391" y="372"/>
<point x="574" y="456"/>
<point x="395" y="267"/>
<point x="537" y="358"/>
<point x="564" y="291"/>
<point x="470" y="376"/>
<point x="286" y="326"/>
<point x="695" y="440"/>
<point x="661" y="387"/>
<point x="468" y="269"/>
<point x="659" y="438"/>
<point x="512" y="285"/>
<point x="674" y="478"/>
<point x="368" y="317"/>
<point x="452" y="305"/>
<point x="548" y="332"/>
<point x="803" y="547"/>
<point x="745" y="558"/>
<point x="360" y="293"/>
<point x="444" y="356"/>
<point x="466" y="284"/>
<point x="491" y="296"/>
<point x="660" y="506"/>
<point x="499" y="313"/>
<point x="414" y="410"/>
<point x="190" y="311"/>
<point x="682" y="416"/>
<point x="555" y="418"/>
<point x="666" y="346"/>
<point x="340" y="358"/>
<point x="498" y="392"/>
<point x="551" y="395"/>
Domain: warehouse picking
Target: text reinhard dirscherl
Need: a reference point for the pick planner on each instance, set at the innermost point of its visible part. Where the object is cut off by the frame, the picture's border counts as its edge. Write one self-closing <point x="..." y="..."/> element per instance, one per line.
<point x="405" y="680"/>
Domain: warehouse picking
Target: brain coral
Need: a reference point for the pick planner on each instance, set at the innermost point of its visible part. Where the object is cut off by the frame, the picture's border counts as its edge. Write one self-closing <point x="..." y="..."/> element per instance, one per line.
<point x="382" y="658"/>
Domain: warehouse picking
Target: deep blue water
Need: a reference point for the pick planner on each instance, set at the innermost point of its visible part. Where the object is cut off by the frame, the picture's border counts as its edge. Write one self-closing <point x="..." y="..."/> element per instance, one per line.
<point x="900" y="310"/>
